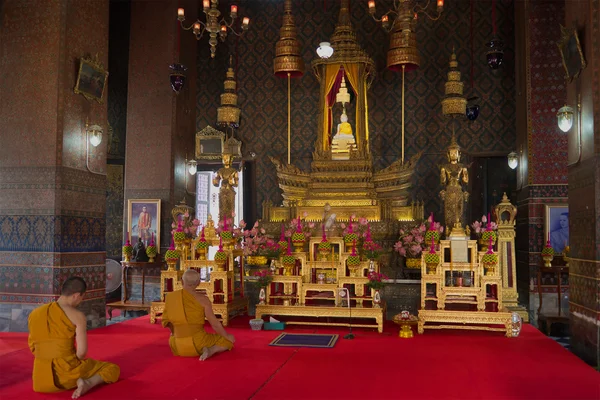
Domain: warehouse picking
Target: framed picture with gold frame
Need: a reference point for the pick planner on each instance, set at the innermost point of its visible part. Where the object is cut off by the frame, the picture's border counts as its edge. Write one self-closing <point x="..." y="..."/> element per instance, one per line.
<point x="556" y="226"/>
<point x="143" y="221"/>
<point x="210" y="143"/>
<point x="91" y="79"/>
<point x="571" y="52"/>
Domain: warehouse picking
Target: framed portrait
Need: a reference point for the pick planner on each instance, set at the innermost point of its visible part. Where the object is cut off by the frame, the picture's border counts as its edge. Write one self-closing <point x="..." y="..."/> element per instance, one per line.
<point x="571" y="52"/>
<point x="143" y="221"/>
<point x="557" y="226"/>
<point x="91" y="80"/>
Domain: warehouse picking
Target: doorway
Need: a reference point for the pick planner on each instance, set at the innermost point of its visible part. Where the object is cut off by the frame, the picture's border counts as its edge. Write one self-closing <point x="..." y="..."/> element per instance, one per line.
<point x="491" y="177"/>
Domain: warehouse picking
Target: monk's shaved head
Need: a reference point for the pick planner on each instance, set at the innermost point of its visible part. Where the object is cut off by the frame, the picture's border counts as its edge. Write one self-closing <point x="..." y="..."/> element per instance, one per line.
<point x="191" y="278"/>
<point x="73" y="285"/>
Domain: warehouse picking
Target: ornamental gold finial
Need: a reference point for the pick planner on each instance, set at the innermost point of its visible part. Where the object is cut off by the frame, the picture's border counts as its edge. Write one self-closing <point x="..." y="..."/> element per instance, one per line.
<point x="288" y="53"/>
<point x="454" y="103"/>
<point x="343" y="96"/>
<point x="453" y="144"/>
<point x="344" y="43"/>
<point x="228" y="115"/>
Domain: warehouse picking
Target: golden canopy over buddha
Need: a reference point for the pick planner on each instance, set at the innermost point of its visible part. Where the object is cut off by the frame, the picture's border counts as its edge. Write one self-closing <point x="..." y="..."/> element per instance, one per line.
<point x="342" y="174"/>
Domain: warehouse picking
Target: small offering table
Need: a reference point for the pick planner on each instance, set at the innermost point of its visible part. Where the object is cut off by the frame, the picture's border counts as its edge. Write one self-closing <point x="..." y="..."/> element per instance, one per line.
<point x="313" y="297"/>
<point x="463" y="290"/>
<point x="322" y="312"/>
<point x="126" y="304"/>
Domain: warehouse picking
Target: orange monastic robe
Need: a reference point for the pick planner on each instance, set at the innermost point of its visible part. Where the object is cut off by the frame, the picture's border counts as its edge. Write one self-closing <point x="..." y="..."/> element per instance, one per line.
<point x="186" y="315"/>
<point x="52" y="342"/>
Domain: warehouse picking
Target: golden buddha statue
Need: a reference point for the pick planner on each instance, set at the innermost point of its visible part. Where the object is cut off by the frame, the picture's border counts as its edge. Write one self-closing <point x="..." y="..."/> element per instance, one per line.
<point x="453" y="175"/>
<point x="228" y="178"/>
<point x="343" y="141"/>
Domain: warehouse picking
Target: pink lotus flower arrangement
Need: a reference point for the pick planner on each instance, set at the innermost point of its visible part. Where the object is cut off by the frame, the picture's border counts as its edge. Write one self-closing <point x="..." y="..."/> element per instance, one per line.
<point x="257" y="243"/>
<point x="372" y="250"/>
<point x="435" y="230"/>
<point x="190" y="228"/>
<point x="355" y="225"/>
<point x="412" y="242"/>
<point x="264" y="277"/>
<point x="376" y="280"/>
<point x="228" y="225"/>
<point x="480" y="227"/>
<point x="305" y="227"/>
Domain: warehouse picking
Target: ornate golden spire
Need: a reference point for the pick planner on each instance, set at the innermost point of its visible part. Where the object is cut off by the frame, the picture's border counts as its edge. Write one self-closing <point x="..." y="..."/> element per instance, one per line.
<point x="344" y="43"/>
<point x="454" y="103"/>
<point x="288" y="52"/>
<point x="453" y="144"/>
<point x="228" y="114"/>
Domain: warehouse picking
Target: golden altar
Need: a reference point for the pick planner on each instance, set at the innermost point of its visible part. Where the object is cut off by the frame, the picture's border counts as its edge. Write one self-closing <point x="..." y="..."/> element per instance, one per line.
<point x="303" y="296"/>
<point x="461" y="291"/>
<point x="223" y="285"/>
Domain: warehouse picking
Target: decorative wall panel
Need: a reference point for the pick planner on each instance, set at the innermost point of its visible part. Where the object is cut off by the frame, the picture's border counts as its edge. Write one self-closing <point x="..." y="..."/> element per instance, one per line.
<point x="114" y="210"/>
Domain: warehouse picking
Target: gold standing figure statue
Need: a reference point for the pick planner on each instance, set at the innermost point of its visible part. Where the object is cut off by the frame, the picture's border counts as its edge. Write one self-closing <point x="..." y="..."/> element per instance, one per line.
<point x="228" y="178"/>
<point x="453" y="175"/>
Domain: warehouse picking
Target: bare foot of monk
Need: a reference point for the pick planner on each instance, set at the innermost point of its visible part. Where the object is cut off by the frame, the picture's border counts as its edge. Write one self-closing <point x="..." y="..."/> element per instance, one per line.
<point x="83" y="385"/>
<point x="205" y="353"/>
<point x="211" y="351"/>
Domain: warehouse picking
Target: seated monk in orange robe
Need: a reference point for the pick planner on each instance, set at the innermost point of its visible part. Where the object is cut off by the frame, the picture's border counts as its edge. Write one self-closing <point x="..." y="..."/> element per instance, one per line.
<point x="184" y="314"/>
<point x="53" y="331"/>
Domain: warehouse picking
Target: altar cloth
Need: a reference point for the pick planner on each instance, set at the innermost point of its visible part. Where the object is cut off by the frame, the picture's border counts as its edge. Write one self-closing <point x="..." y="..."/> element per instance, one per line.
<point x="305" y="340"/>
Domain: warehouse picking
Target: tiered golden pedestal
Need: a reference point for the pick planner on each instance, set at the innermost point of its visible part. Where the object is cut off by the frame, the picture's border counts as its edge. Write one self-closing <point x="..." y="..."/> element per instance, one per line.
<point x="459" y="295"/>
<point x="301" y="295"/>
<point x="225" y="289"/>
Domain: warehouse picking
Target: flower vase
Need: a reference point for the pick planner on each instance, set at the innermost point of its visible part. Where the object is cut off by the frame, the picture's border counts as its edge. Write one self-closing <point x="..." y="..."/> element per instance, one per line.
<point x="432" y="268"/>
<point x="172" y="264"/>
<point x="298" y="246"/>
<point x="484" y="241"/>
<point x="376" y="299"/>
<point x="227" y="239"/>
<point x="483" y="244"/>
<point x="288" y="269"/>
<point x="324" y="254"/>
<point x="548" y="260"/>
<point x="413" y="263"/>
<point x="262" y="296"/>
<point x="220" y="265"/>
<point x="489" y="268"/>
<point x="256" y="260"/>
<point x="201" y="253"/>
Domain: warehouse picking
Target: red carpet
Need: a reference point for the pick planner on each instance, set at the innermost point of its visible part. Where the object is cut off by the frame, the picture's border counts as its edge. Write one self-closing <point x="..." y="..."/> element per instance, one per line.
<point x="440" y="365"/>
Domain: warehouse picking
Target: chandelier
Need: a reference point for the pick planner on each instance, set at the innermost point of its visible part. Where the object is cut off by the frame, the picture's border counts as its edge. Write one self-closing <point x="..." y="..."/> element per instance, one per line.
<point x="403" y="53"/>
<point x="213" y="25"/>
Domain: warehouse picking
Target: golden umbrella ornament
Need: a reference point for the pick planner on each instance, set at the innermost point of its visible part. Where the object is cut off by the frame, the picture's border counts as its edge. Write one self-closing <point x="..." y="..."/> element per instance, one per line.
<point x="288" y="60"/>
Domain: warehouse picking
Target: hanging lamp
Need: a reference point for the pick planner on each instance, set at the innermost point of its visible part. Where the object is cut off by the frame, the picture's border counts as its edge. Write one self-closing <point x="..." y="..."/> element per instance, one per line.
<point x="495" y="55"/>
